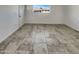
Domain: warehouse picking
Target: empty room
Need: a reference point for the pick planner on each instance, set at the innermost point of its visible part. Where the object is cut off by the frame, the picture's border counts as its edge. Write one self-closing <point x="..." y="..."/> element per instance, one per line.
<point x="39" y="29"/>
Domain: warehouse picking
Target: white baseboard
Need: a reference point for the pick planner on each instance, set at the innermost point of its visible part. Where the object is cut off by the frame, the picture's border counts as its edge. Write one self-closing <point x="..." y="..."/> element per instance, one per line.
<point x="7" y="34"/>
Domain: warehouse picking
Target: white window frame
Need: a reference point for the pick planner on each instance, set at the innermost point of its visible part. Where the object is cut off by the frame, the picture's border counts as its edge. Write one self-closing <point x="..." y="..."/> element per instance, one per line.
<point x="41" y="12"/>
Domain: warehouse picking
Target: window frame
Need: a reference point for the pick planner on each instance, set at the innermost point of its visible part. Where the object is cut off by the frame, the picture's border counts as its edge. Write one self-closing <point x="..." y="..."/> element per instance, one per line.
<point x="42" y="11"/>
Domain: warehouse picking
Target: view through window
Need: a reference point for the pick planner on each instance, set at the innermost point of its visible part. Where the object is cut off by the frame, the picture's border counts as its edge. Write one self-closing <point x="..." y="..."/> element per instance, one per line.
<point x="41" y="8"/>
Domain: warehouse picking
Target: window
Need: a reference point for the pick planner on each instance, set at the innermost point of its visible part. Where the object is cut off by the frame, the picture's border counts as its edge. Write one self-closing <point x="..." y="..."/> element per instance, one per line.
<point x="41" y="8"/>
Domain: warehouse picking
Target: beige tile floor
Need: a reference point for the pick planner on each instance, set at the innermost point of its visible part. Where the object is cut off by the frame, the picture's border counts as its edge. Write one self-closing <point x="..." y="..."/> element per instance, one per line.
<point x="42" y="39"/>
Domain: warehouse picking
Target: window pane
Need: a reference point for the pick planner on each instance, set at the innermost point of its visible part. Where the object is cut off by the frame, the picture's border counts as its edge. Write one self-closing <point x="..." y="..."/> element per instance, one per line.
<point x="41" y="8"/>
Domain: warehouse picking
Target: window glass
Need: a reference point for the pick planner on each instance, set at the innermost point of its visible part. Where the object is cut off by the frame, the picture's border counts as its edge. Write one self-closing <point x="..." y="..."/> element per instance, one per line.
<point x="41" y="8"/>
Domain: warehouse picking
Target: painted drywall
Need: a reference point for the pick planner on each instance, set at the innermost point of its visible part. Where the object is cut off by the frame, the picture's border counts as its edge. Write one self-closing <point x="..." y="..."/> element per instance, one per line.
<point x="54" y="17"/>
<point x="9" y="20"/>
<point x="72" y="16"/>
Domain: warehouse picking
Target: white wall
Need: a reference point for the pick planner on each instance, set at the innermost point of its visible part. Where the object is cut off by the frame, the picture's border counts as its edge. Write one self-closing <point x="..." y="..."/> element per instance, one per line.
<point x="72" y="16"/>
<point x="9" y="21"/>
<point x="55" y="16"/>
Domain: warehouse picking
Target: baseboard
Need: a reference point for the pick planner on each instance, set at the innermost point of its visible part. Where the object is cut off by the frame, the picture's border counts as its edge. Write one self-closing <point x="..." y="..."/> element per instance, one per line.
<point x="72" y="27"/>
<point x="8" y="34"/>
